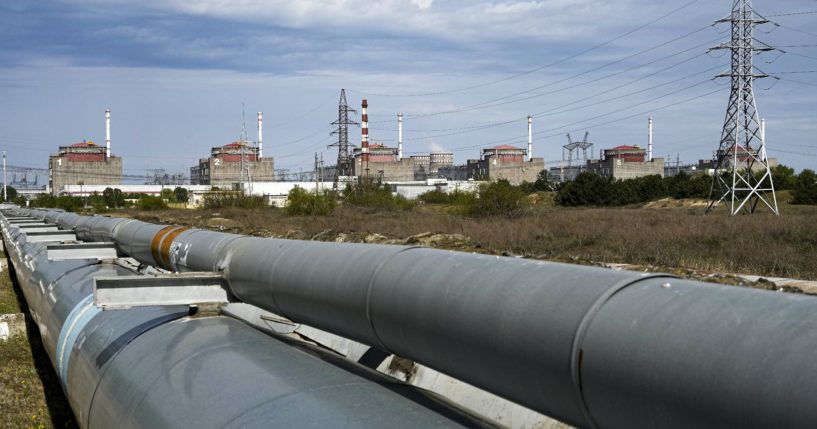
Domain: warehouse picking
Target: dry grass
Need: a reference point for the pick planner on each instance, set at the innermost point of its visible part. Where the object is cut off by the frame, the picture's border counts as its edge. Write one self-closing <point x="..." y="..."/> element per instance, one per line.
<point x="8" y="299"/>
<point x="30" y="393"/>
<point x="676" y="237"/>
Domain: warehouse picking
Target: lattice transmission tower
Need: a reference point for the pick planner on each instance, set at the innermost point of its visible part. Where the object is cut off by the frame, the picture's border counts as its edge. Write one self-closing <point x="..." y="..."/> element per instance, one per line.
<point x="344" y="166"/>
<point x="245" y="175"/>
<point x="573" y="147"/>
<point x="742" y="177"/>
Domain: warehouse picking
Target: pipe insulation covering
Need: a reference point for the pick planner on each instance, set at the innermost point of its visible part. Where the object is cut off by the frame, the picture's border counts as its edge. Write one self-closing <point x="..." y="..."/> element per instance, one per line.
<point x="155" y="367"/>
<point x="589" y="346"/>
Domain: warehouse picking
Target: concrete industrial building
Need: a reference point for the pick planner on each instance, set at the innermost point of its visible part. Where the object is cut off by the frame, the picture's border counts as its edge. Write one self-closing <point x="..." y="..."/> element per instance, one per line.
<point x="85" y="163"/>
<point x="383" y="164"/>
<point x="626" y="162"/>
<point x="224" y="166"/>
<point x="505" y="162"/>
<point x="743" y="158"/>
<point x="380" y="162"/>
<point x="237" y="162"/>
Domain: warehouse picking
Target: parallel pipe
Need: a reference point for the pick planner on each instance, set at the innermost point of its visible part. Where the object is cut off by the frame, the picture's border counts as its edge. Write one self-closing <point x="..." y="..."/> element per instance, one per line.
<point x="155" y="367"/>
<point x="589" y="346"/>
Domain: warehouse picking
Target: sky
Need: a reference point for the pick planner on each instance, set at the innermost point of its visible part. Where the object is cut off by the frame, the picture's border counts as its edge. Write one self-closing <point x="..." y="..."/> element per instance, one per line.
<point x="176" y="75"/>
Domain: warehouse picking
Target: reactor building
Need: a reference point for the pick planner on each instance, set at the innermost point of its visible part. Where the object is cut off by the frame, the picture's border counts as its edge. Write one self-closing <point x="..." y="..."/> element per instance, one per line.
<point x="626" y="162"/>
<point x="237" y="162"/>
<point x="505" y="162"/>
<point x="85" y="163"/>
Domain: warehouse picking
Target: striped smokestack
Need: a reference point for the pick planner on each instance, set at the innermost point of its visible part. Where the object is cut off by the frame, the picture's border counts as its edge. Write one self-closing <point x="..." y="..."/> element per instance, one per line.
<point x="364" y="125"/>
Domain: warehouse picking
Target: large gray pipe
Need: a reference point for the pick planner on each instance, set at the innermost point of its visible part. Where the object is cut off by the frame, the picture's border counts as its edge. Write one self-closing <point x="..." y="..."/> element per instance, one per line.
<point x="154" y="367"/>
<point x="589" y="346"/>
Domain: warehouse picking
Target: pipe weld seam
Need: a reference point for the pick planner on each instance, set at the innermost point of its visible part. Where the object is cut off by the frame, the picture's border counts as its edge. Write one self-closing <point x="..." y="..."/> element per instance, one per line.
<point x="578" y="339"/>
<point x="79" y="316"/>
<point x="370" y="289"/>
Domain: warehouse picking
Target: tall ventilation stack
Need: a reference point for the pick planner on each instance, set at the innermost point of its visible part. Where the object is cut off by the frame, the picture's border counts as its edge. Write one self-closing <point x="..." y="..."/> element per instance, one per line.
<point x="649" y="139"/>
<point x="107" y="133"/>
<point x="364" y="144"/>
<point x="260" y="134"/>
<point x="399" y="136"/>
<point x="530" y="138"/>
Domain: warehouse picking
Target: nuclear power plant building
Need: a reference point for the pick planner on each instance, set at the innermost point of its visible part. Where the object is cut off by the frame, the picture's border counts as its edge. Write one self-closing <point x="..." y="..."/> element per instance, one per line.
<point x="225" y="167"/>
<point x="626" y="162"/>
<point x="84" y="163"/>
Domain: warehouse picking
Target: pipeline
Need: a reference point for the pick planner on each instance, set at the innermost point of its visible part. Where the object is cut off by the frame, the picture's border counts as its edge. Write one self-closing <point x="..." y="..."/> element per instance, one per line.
<point x="592" y="347"/>
<point x="158" y="367"/>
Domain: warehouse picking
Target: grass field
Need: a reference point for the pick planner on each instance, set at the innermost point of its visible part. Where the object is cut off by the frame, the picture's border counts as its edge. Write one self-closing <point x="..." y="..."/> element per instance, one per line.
<point x="679" y="235"/>
<point x="30" y="393"/>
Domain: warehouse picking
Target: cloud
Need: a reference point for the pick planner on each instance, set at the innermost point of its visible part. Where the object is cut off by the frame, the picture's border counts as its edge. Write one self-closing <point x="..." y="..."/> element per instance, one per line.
<point x="461" y="21"/>
<point x="422" y="4"/>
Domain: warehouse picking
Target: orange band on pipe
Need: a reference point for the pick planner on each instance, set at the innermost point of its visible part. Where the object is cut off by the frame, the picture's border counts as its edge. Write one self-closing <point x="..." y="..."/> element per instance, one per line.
<point x="164" y="249"/>
<point x="157" y="239"/>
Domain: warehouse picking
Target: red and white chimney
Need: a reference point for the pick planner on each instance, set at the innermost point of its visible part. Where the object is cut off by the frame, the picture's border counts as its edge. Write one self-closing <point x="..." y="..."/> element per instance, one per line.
<point x="364" y="125"/>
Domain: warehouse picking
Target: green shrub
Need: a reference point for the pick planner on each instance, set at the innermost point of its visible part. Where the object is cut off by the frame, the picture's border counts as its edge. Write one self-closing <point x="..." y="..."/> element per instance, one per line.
<point x="590" y="189"/>
<point x="805" y="188"/>
<point x="783" y="177"/>
<point x="181" y="194"/>
<point x="113" y="197"/>
<point x="375" y="195"/>
<point x="683" y="185"/>
<point x="495" y="198"/>
<point x="149" y="202"/>
<point x="65" y="202"/>
<point x="303" y="203"/>
<point x="220" y="200"/>
<point x="97" y="202"/>
<point x="435" y="197"/>
<point x="11" y="193"/>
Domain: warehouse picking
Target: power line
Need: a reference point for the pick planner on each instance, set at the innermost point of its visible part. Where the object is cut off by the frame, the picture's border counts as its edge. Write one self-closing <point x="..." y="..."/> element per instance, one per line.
<point x="493" y="102"/>
<point x="525" y="73"/>
<point x="796" y="81"/>
<point x="538" y="114"/>
<point x="305" y="114"/>
<point x="800" y="55"/>
<point x="777" y="24"/>
<point x="621" y="119"/>
<point x="806" y="12"/>
<point x="794" y="72"/>
<point x="624" y="95"/>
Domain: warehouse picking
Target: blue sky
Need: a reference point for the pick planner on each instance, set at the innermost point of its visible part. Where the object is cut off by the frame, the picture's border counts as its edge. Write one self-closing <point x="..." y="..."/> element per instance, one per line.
<point x="464" y="73"/>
